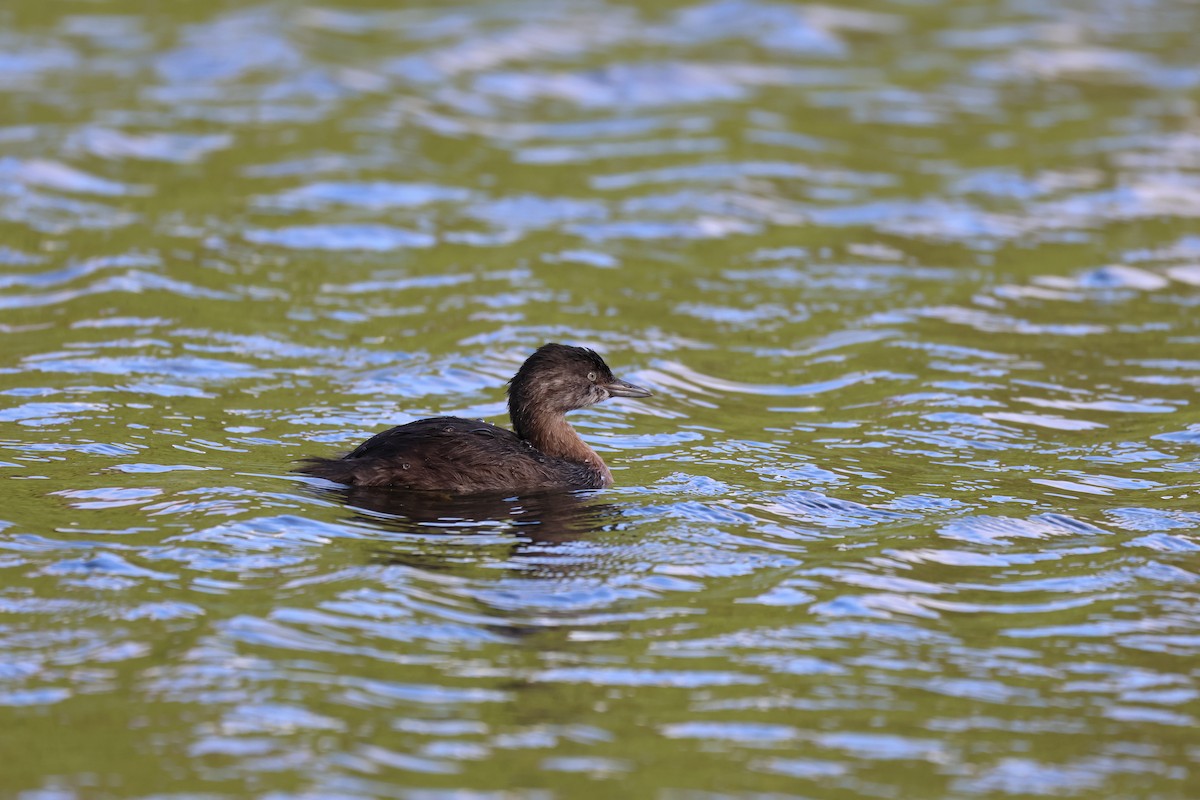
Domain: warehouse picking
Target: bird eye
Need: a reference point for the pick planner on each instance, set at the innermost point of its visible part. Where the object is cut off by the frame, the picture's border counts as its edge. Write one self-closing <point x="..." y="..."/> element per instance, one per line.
<point x="592" y="377"/>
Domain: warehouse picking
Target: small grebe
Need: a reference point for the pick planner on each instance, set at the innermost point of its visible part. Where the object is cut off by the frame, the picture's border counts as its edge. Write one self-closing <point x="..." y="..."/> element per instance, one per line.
<point x="465" y="456"/>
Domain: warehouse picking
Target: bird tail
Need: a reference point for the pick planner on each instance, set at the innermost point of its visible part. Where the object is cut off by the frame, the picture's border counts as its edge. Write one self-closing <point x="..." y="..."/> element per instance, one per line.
<point x="331" y="469"/>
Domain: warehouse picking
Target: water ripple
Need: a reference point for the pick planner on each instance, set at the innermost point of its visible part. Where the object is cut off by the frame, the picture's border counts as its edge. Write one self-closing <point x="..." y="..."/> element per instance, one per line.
<point x="911" y="512"/>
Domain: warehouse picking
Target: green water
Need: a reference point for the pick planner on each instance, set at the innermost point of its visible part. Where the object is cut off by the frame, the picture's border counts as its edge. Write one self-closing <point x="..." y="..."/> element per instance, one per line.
<point x="912" y="512"/>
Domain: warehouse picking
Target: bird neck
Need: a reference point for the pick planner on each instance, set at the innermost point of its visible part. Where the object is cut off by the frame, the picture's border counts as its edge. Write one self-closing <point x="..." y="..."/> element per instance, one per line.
<point x="550" y="433"/>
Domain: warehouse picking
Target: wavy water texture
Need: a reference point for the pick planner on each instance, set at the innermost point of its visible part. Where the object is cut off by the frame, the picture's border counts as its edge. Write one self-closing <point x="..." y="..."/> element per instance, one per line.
<point x="912" y="511"/>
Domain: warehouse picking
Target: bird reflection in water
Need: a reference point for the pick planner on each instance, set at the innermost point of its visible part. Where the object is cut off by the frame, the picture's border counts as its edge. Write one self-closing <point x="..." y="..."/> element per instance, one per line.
<point x="525" y="541"/>
<point x="533" y="521"/>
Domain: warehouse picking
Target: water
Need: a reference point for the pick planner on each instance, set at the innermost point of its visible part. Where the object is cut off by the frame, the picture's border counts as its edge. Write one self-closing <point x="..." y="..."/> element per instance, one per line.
<point x="912" y="512"/>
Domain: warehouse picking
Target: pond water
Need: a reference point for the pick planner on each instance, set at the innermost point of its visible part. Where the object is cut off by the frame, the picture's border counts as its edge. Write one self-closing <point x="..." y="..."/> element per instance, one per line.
<point x="912" y="513"/>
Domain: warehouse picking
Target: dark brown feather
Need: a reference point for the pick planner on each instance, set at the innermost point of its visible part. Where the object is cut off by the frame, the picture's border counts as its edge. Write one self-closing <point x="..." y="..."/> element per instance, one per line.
<point x="454" y="455"/>
<point x="461" y="456"/>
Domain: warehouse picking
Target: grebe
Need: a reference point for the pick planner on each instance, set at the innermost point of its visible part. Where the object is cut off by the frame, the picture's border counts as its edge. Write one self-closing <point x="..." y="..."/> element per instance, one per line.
<point x="464" y="456"/>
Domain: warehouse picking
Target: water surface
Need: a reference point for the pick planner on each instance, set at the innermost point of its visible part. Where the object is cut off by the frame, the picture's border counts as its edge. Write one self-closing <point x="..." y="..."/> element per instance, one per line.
<point x="912" y="512"/>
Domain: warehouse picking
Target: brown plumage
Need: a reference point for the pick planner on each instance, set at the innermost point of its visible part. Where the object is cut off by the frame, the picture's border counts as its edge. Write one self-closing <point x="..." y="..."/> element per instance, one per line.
<point x="462" y="456"/>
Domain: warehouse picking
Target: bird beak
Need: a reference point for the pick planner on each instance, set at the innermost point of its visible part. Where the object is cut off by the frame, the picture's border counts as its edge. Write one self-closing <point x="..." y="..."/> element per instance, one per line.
<point x="624" y="389"/>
